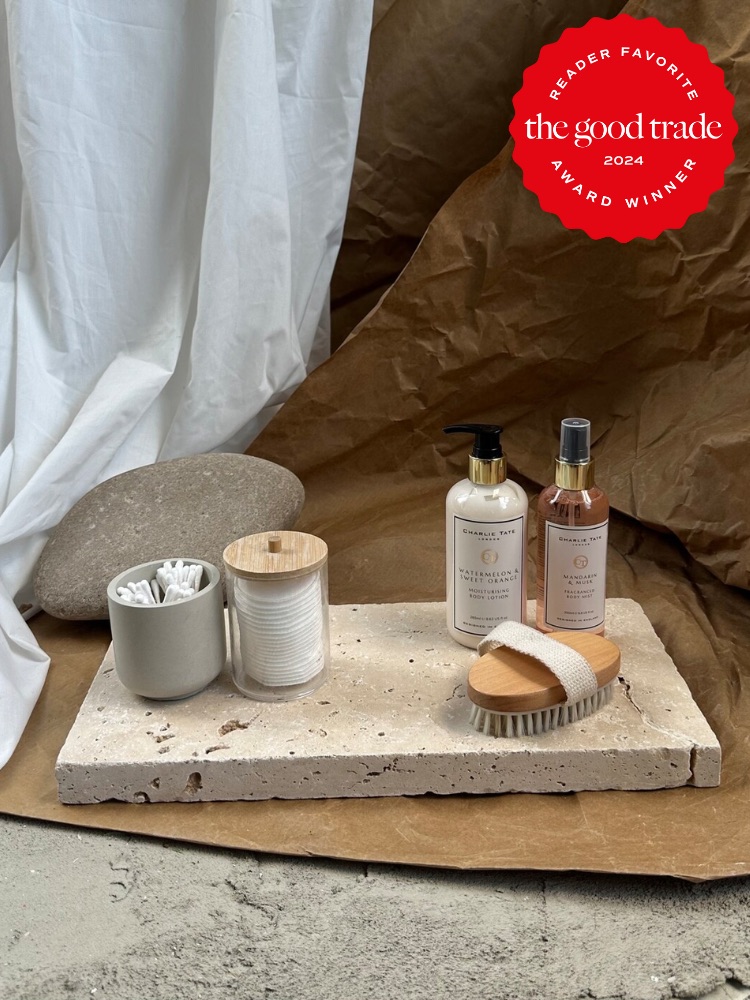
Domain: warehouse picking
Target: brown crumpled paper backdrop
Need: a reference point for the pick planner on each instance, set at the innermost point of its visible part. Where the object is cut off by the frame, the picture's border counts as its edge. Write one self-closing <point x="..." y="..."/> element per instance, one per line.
<point x="502" y="314"/>
<point x="441" y="77"/>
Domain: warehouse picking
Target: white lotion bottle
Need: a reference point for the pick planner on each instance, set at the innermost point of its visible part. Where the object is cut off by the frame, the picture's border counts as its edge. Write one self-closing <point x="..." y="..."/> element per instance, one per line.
<point x="486" y="539"/>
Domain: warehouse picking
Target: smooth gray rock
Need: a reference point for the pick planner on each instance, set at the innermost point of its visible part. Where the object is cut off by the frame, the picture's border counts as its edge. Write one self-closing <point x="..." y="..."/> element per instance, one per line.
<point x="184" y="507"/>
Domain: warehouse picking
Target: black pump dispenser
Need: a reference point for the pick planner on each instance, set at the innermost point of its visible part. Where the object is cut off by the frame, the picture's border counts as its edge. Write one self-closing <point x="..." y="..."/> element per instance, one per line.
<point x="486" y="439"/>
<point x="486" y="462"/>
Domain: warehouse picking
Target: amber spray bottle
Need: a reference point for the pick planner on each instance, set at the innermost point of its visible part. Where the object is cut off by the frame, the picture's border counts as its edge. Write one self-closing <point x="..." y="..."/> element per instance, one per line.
<point x="572" y="523"/>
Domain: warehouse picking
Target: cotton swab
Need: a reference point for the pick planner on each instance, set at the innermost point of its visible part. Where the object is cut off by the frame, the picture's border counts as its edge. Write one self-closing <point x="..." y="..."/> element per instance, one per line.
<point x="138" y="593"/>
<point x="179" y="575"/>
<point x="177" y="583"/>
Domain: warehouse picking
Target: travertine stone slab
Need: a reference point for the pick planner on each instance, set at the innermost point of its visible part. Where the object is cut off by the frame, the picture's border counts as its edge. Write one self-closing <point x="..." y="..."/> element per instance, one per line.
<point x="391" y="720"/>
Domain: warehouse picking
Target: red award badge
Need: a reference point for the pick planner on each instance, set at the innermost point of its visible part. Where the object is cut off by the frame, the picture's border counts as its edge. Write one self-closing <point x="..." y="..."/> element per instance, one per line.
<point x="623" y="128"/>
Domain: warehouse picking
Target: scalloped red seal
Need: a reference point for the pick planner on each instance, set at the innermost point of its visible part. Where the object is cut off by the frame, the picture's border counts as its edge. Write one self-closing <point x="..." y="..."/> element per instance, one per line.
<point x="623" y="128"/>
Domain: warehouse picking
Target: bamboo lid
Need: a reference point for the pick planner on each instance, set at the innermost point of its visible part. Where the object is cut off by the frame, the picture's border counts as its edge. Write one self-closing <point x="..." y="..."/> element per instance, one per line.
<point x="275" y="555"/>
<point x="504" y="680"/>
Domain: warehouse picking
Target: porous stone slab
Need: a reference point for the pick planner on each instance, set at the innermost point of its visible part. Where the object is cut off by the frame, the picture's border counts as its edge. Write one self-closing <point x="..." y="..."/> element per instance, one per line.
<point x="392" y="719"/>
<point x="191" y="507"/>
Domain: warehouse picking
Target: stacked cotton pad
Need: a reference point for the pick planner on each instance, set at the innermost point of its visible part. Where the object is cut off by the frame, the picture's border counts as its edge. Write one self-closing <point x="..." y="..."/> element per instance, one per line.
<point x="281" y="629"/>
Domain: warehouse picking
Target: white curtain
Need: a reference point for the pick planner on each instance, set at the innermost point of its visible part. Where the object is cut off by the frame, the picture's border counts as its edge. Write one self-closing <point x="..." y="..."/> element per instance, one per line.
<point x="173" y="182"/>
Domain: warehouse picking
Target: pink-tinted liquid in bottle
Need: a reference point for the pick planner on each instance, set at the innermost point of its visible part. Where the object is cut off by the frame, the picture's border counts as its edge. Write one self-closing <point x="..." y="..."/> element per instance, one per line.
<point x="571" y="509"/>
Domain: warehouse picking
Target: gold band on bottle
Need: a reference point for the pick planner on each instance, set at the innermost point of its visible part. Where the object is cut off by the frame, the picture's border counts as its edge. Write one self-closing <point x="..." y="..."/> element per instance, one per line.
<point x="574" y="477"/>
<point x="487" y="471"/>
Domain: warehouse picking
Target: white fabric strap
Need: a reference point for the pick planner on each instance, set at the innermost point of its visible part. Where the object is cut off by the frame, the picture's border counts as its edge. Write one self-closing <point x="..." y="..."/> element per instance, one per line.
<point x="571" y="668"/>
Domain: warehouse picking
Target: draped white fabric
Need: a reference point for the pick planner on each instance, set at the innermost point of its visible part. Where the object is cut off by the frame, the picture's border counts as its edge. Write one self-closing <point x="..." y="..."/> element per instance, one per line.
<point x="173" y="182"/>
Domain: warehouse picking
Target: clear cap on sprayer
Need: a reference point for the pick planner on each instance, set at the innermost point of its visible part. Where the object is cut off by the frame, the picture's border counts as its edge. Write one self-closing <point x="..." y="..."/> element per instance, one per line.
<point x="575" y="440"/>
<point x="574" y="468"/>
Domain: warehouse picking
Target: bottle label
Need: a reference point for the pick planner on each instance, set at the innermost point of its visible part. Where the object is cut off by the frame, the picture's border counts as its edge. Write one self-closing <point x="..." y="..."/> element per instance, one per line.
<point x="575" y="575"/>
<point x="487" y="573"/>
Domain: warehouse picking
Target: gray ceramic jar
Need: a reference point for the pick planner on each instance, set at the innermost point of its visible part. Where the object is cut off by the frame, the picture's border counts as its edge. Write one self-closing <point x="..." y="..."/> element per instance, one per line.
<point x="168" y="651"/>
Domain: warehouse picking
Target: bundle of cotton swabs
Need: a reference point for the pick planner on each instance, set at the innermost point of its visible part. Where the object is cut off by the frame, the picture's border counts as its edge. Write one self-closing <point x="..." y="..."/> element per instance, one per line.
<point x="175" y="582"/>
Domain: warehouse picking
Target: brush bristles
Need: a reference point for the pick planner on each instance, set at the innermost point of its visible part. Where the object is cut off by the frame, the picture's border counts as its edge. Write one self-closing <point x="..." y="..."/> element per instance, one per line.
<point x="534" y="723"/>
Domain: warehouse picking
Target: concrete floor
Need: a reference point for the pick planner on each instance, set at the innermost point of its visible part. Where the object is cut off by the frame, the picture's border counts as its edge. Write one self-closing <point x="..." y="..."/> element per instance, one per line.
<point x="88" y="914"/>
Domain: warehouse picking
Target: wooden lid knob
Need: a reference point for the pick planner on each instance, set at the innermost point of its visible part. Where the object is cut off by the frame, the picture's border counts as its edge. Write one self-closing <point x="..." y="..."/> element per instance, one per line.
<point x="274" y="544"/>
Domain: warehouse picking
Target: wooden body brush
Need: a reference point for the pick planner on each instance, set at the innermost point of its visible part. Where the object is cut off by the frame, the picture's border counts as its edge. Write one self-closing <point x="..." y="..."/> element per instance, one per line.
<point x="525" y="683"/>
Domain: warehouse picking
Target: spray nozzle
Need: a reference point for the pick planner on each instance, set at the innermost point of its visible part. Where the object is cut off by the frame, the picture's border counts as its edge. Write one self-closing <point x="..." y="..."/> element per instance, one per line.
<point x="575" y="441"/>
<point x="486" y="439"/>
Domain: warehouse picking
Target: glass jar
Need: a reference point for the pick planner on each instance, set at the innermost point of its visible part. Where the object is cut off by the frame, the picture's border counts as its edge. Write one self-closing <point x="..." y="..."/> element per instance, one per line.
<point x="277" y="595"/>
